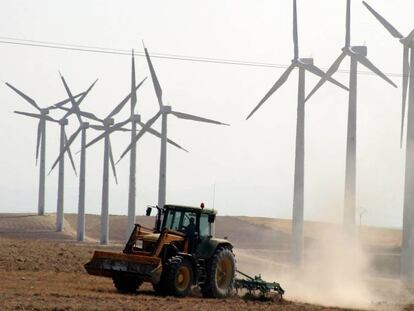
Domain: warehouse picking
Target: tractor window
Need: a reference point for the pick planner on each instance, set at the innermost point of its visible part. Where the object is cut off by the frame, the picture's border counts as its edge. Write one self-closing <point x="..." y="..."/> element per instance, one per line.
<point x="204" y="226"/>
<point x="188" y="224"/>
<point x="173" y="220"/>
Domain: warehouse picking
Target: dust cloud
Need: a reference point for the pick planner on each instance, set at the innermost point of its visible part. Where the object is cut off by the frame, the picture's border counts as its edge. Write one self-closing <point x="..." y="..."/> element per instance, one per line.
<point x="337" y="272"/>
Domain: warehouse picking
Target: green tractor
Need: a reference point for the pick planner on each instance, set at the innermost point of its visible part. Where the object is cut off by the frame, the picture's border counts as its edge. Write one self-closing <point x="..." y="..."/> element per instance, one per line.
<point x="180" y="252"/>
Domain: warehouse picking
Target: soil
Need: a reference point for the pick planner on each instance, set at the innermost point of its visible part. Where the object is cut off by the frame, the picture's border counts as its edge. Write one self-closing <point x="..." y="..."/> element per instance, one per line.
<point x="43" y="270"/>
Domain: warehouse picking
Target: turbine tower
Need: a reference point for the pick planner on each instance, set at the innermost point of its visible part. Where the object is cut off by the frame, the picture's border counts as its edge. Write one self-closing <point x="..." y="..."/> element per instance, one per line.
<point x="407" y="250"/>
<point x="41" y="140"/>
<point x="164" y="111"/>
<point x="303" y="64"/>
<point x="357" y="54"/>
<point x="108" y="128"/>
<point x="65" y="147"/>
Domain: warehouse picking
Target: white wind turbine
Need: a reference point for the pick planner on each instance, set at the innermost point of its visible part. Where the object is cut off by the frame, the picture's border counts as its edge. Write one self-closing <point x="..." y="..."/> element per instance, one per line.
<point x="357" y="54"/>
<point x="41" y="139"/>
<point x="407" y="250"/>
<point x="66" y="148"/>
<point x="303" y="64"/>
<point x="163" y="112"/>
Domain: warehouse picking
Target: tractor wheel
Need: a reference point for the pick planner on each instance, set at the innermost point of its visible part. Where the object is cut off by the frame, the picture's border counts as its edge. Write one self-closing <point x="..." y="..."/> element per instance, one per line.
<point x="220" y="274"/>
<point x="126" y="283"/>
<point x="178" y="276"/>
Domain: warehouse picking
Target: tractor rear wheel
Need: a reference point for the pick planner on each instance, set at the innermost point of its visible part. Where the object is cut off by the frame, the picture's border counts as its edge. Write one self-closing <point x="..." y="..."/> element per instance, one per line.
<point x="126" y="283"/>
<point x="221" y="270"/>
<point x="179" y="276"/>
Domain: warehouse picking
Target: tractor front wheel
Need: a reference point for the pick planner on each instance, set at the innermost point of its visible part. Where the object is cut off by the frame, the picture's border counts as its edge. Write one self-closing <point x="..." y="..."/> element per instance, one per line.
<point x="126" y="283"/>
<point x="220" y="274"/>
<point x="179" y="276"/>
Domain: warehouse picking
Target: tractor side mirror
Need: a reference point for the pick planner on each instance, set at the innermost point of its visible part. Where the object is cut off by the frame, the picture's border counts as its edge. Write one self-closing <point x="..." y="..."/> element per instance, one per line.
<point x="148" y="212"/>
<point x="211" y="218"/>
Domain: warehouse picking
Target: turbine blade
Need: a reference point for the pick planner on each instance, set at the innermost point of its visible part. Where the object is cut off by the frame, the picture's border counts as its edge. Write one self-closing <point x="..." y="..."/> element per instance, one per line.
<point x="157" y="86"/>
<point x="406" y="72"/>
<point x="274" y="88"/>
<point x="67" y="146"/>
<point x="111" y="158"/>
<point x="28" y="114"/>
<point x="158" y="134"/>
<point x="76" y="110"/>
<point x="318" y="72"/>
<point x="348" y="24"/>
<point x="334" y="67"/>
<point x="97" y="127"/>
<point x="39" y="136"/>
<point x="95" y="140"/>
<point x="70" y="155"/>
<point x="125" y="100"/>
<point x="144" y="129"/>
<point x="187" y="116"/>
<point x="295" y="30"/>
<point x="391" y="29"/>
<point x="133" y="83"/>
<point x="27" y="98"/>
<point x="367" y="63"/>
<point x="64" y="102"/>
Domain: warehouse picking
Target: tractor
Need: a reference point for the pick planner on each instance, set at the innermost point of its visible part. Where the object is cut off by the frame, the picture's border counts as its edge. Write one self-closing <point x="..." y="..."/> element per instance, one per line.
<point x="180" y="252"/>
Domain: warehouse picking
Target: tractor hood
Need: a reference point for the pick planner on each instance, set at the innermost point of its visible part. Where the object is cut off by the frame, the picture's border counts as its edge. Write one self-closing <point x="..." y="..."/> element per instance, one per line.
<point x="152" y="237"/>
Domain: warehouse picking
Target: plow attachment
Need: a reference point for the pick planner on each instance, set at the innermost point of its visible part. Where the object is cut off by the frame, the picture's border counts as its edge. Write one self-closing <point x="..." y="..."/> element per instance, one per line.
<point x="256" y="284"/>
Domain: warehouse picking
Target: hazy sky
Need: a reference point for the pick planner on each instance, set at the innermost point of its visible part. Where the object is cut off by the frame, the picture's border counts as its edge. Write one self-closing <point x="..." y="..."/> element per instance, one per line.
<point x="251" y="162"/>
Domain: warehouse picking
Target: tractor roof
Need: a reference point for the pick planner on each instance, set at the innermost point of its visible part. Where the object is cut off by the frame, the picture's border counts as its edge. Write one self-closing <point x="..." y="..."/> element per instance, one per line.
<point x="190" y="209"/>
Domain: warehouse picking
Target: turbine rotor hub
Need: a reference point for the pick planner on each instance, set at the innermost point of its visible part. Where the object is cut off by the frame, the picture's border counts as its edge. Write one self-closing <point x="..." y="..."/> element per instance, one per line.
<point x="44" y="111"/>
<point x="63" y="122"/>
<point x="359" y="50"/>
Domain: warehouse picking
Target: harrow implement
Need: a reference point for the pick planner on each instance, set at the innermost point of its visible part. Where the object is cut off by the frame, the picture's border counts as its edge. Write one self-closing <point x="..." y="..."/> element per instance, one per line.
<point x="257" y="284"/>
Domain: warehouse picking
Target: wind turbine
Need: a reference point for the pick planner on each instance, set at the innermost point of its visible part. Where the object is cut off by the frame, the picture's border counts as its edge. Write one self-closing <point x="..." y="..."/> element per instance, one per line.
<point x="41" y="139"/>
<point x="61" y="159"/>
<point x="163" y="112"/>
<point x="108" y="128"/>
<point x="357" y="54"/>
<point x="303" y="64"/>
<point x="407" y="250"/>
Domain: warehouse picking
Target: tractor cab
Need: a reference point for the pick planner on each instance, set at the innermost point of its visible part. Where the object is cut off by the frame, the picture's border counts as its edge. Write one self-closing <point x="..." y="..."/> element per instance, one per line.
<point x="191" y="221"/>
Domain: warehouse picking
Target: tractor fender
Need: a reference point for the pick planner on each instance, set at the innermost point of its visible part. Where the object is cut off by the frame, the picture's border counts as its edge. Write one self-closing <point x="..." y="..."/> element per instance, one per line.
<point x="208" y="247"/>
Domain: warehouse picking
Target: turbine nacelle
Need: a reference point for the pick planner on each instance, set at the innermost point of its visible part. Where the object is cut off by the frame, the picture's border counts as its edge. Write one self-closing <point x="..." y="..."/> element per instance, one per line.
<point x="84" y="125"/>
<point x="63" y="122"/>
<point x="136" y="118"/>
<point x="356" y="51"/>
<point x="302" y="62"/>
<point x="44" y="111"/>
<point x="407" y="42"/>
<point x="108" y="122"/>
<point x="165" y="109"/>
